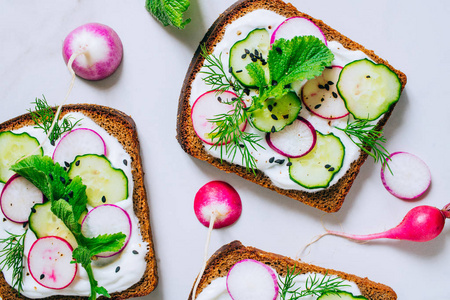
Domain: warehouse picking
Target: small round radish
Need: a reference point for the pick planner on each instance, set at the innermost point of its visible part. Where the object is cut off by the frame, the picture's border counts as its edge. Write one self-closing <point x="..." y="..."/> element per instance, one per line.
<point x="321" y="97"/>
<point x="107" y="219"/>
<point x="97" y="48"/>
<point x="222" y="199"/>
<point x="250" y="279"/>
<point x="78" y="142"/>
<point x="50" y="262"/>
<point x="207" y="107"/>
<point x="294" y="140"/>
<point x="18" y="197"/>
<point x="405" y="175"/>
<point x="297" y="26"/>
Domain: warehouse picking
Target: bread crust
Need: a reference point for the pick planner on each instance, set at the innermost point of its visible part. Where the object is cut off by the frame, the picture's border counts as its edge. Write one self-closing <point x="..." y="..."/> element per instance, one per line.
<point x="123" y="128"/>
<point x="224" y="258"/>
<point x="328" y="200"/>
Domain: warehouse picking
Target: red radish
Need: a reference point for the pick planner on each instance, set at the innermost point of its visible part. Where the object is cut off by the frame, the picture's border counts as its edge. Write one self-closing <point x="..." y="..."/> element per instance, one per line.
<point x="78" y="142"/>
<point x="18" y="197"/>
<point x="207" y="107"/>
<point x="321" y="96"/>
<point x="97" y="49"/>
<point x="107" y="219"/>
<point x="50" y="262"/>
<point x="250" y="279"/>
<point x="297" y="26"/>
<point x="407" y="176"/>
<point x="295" y="140"/>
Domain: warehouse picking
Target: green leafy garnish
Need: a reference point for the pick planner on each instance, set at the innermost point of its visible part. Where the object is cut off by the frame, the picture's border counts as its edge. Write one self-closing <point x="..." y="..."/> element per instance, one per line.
<point x="169" y="12"/>
<point x="68" y="202"/>
<point x="12" y="257"/>
<point x="43" y="116"/>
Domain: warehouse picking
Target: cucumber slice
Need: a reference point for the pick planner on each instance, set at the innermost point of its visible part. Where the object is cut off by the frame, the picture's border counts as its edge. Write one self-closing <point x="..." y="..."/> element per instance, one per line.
<point x="317" y="168"/>
<point x="104" y="183"/>
<point x="341" y="295"/>
<point x="43" y="222"/>
<point x="276" y="113"/>
<point x="13" y="146"/>
<point x="254" y="48"/>
<point x="368" y="89"/>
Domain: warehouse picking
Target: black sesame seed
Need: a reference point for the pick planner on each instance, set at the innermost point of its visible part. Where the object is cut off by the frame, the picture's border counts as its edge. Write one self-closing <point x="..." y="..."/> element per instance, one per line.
<point x="289" y="164"/>
<point x="270" y="107"/>
<point x="125" y="162"/>
<point x="77" y="163"/>
<point x="274" y="104"/>
<point x="317" y="106"/>
<point x="70" y="194"/>
<point x="256" y="52"/>
<point x="274" y="117"/>
<point x="287" y="86"/>
<point x="230" y="69"/>
<point x="244" y="56"/>
<point x="330" y="82"/>
<point x="327" y="166"/>
<point x="103" y="199"/>
<point x="334" y="94"/>
<point x="368" y="76"/>
<point x="219" y="99"/>
<point x="246" y="91"/>
<point x="66" y="164"/>
<point x="327" y="87"/>
<point x="247" y="51"/>
<point x="66" y="198"/>
<point x="280" y="161"/>
<point x="233" y="99"/>
<point x="242" y="146"/>
<point x="273" y="129"/>
<point x="329" y="67"/>
<point x="254" y="59"/>
<point x="24" y="225"/>
<point x="322" y="99"/>
<point x="264" y="62"/>
<point x="52" y="142"/>
<point x="251" y="55"/>
<point x="50" y="176"/>
<point x="274" y="82"/>
<point x="238" y="71"/>
<point x="42" y="276"/>
<point x="4" y="219"/>
<point x="62" y="179"/>
<point x="117" y="269"/>
<point x="321" y="86"/>
<point x="286" y="116"/>
<point x="331" y="169"/>
<point x="278" y="49"/>
<point x="135" y="252"/>
<point x="271" y="159"/>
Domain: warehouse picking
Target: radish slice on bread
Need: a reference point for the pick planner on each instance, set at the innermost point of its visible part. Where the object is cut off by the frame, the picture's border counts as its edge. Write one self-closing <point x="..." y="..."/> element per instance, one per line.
<point x="297" y="26"/>
<point x="50" y="262"/>
<point x="18" y="197"/>
<point x="250" y="279"/>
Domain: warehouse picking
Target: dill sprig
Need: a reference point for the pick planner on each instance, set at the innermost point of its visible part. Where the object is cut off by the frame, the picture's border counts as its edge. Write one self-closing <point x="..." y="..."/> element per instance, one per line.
<point x="13" y="257"/>
<point x="43" y="116"/>
<point x="314" y="285"/>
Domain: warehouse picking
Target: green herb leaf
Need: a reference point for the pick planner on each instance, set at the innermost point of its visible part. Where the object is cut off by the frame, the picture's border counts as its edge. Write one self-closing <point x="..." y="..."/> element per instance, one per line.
<point x="12" y="256"/>
<point x="257" y="73"/>
<point x="169" y="12"/>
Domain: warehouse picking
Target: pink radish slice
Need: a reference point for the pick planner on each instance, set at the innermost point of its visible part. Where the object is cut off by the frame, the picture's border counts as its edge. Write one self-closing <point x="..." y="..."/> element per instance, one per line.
<point x="222" y="199"/>
<point x="18" y="197"/>
<point x="321" y="97"/>
<point x="98" y="48"/>
<point x="294" y="140"/>
<point x="250" y="279"/>
<point x="410" y="176"/>
<point x="297" y="26"/>
<point x="107" y="219"/>
<point x="208" y="106"/>
<point x="49" y="262"/>
<point x="78" y="142"/>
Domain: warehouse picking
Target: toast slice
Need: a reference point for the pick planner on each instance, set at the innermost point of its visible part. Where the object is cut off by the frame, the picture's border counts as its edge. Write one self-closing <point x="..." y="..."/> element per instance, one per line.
<point x="224" y="258"/>
<point x="329" y="199"/>
<point x="123" y="128"/>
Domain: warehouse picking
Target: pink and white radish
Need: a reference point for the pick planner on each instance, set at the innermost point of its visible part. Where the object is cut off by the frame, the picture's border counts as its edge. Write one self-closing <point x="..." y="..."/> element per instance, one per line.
<point x="297" y="26"/>
<point x="207" y="107"/>
<point x="18" y="197"/>
<point x="407" y="176"/>
<point x="250" y="279"/>
<point x="50" y="262"/>
<point x="321" y="96"/>
<point x="107" y="219"/>
<point x="216" y="204"/>
<point x="295" y="140"/>
<point x="97" y="51"/>
<point x="78" y="142"/>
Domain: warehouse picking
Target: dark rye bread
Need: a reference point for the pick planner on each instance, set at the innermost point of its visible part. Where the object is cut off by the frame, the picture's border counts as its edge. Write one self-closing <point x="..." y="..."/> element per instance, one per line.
<point x="123" y="128"/>
<point x="223" y="259"/>
<point x="328" y="200"/>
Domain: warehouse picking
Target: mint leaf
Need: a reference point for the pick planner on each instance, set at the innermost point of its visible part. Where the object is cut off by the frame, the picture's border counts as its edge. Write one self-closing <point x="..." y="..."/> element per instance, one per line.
<point x="257" y="73"/>
<point x="105" y="243"/>
<point x="169" y="12"/>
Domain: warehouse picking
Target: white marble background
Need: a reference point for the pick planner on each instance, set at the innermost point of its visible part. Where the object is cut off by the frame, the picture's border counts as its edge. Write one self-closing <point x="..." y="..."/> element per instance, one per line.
<point x="411" y="34"/>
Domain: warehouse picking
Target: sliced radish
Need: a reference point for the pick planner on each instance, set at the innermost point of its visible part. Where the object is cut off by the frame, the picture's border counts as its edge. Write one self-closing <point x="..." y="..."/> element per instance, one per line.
<point x="294" y="140"/>
<point x="250" y="279"/>
<point x="78" y="142"/>
<point x="410" y="176"/>
<point x="96" y="49"/>
<point x="50" y="262"/>
<point x="107" y="219"/>
<point x="208" y="106"/>
<point x="18" y="197"/>
<point x="297" y="26"/>
<point x="321" y="97"/>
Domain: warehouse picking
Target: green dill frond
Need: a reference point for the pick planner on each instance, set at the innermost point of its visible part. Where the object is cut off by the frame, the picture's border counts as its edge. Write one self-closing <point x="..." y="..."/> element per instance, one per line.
<point x="12" y="257"/>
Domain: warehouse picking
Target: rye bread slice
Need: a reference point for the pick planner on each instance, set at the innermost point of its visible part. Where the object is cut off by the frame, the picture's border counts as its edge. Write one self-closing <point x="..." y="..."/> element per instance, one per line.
<point x="328" y="200"/>
<point x="224" y="258"/>
<point x="123" y="128"/>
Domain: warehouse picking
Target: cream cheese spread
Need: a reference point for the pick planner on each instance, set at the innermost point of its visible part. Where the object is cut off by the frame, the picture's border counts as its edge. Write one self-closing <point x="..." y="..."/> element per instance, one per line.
<point x="279" y="173"/>
<point x="116" y="273"/>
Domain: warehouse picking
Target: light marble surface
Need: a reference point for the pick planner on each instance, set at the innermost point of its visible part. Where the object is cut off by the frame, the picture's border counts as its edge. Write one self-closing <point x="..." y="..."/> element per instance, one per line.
<point x="411" y="35"/>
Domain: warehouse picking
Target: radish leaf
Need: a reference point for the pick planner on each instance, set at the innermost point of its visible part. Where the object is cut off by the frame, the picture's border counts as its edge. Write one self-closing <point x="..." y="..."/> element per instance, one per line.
<point x="169" y="12"/>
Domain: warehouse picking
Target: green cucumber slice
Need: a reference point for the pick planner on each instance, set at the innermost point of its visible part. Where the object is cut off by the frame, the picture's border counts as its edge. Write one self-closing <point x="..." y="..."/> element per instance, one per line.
<point x="368" y="89"/>
<point x="276" y="113"/>
<point x="104" y="183"/>
<point x="254" y="48"/>
<point x="13" y="146"/>
<point x="317" y="168"/>
<point x="341" y="295"/>
<point x="43" y="222"/>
